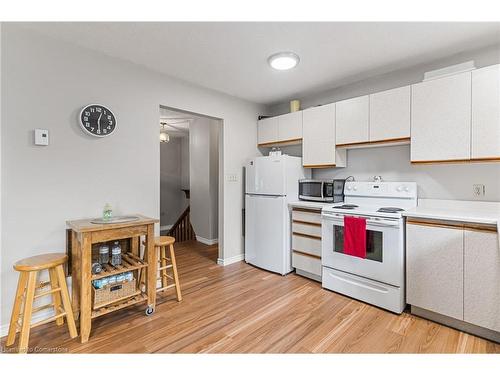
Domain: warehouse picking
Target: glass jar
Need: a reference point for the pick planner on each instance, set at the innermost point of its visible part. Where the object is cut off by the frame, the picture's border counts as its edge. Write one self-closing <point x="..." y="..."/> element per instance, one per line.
<point x="116" y="254"/>
<point x="107" y="212"/>
<point x="104" y="254"/>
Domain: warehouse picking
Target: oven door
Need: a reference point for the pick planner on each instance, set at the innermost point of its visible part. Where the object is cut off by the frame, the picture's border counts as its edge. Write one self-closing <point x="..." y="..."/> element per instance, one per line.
<point x="384" y="249"/>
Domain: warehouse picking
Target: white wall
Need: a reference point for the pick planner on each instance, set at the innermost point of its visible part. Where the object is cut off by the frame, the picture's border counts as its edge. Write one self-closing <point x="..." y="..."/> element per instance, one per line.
<point x="172" y="198"/>
<point x="47" y="82"/>
<point x="453" y="181"/>
<point x="439" y="181"/>
<point x="203" y="171"/>
<point x="185" y="163"/>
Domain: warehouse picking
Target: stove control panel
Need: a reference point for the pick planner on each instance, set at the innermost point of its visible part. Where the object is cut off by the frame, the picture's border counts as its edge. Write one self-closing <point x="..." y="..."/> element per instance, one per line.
<point x="381" y="189"/>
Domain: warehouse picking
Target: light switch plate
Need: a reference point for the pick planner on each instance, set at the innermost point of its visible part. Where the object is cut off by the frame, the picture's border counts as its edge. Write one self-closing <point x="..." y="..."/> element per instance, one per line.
<point x="41" y="137"/>
<point x="231" y="177"/>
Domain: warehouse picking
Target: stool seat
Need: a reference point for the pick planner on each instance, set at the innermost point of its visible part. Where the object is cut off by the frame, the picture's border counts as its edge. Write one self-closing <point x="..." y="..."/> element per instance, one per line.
<point x="40" y="262"/>
<point x="164" y="241"/>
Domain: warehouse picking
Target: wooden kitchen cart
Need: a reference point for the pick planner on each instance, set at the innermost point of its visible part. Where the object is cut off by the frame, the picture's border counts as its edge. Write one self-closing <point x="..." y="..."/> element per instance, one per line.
<point x="84" y="236"/>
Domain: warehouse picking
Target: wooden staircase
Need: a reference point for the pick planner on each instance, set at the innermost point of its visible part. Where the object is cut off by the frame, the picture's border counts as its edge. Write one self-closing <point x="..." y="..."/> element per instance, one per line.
<point x="182" y="230"/>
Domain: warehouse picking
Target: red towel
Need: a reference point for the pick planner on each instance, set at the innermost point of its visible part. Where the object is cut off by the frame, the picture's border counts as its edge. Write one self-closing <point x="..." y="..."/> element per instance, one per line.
<point x="355" y="236"/>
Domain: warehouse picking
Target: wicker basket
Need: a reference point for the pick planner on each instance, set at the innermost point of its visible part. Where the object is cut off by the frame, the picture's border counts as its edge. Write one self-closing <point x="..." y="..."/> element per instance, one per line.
<point x="113" y="292"/>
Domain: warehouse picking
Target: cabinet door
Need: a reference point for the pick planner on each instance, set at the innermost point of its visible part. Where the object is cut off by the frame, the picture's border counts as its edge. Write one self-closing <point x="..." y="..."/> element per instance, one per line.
<point x="441" y="119"/>
<point x="267" y="130"/>
<point x="290" y="126"/>
<point x="390" y="114"/>
<point x="486" y="112"/>
<point x="482" y="279"/>
<point x="352" y="119"/>
<point x="318" y="141"/>
<point x="434" y="269"/>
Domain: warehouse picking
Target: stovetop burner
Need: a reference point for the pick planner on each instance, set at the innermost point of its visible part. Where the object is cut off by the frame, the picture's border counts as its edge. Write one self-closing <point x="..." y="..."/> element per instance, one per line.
<point x="391" y="210"/>
<point x="347" y="206"/>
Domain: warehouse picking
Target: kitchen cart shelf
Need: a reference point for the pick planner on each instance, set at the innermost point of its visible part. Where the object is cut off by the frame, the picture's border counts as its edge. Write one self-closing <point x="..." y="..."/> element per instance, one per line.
<point x="130" y="262"/>
<point x="103" y="304"/>
<point x="85" y="237"/>
<point x="129" y="301"/>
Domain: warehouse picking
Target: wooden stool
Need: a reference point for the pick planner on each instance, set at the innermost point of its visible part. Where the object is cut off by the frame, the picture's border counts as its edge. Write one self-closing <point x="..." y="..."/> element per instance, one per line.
<point x="26" y="288"/>
<point x="161" y="244"/>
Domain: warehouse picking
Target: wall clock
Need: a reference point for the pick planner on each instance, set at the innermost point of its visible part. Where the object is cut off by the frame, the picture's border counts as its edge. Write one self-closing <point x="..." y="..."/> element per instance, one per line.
<point x="97" y="120"/>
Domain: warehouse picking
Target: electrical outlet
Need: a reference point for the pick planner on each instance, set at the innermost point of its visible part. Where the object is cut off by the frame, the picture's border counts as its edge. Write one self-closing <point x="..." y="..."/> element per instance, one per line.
<point x="478" y="190"/>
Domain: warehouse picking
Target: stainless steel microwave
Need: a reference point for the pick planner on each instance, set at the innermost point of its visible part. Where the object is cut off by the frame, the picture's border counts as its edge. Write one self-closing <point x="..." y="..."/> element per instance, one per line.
<point x="322" y="190"/>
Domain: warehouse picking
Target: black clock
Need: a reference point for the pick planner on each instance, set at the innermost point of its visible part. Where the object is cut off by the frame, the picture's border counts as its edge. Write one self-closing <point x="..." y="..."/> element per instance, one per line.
<point x="97" y="120"/>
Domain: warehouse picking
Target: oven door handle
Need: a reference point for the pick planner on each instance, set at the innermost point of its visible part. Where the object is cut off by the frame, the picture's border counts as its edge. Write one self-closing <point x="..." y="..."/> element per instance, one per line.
<point x="374" y="222"/>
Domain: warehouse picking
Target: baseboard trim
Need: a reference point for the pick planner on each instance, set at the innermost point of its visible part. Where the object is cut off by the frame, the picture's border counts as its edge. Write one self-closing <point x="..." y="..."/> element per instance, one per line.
<point x="207" y="241"/>
<point x="166" y="227"/>
<point x="42" y="315"/>
<point x="457" y="324"/>
<point x="231" y="260"/>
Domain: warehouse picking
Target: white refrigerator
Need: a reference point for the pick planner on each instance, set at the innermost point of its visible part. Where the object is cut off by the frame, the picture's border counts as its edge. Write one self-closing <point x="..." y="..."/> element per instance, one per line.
<point x="271" y="182"/>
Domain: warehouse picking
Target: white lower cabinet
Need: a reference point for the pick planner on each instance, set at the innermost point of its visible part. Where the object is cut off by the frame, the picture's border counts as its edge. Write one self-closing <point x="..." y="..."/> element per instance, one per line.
<point x="434" y="269"/>
<point x="453" y="269"/>
<point x="306" y="242"/>
<point x="482" y="279"/>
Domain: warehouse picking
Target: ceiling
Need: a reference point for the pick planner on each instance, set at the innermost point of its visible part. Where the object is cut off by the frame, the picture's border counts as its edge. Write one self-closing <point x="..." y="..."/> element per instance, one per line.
<point x="232" y="57"/>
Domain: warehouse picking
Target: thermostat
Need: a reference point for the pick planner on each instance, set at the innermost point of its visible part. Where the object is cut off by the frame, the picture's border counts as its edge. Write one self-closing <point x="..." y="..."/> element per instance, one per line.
<point x="41" y="137"/>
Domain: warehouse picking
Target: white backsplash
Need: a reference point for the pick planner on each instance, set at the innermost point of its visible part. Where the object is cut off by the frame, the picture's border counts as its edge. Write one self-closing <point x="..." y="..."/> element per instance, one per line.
<point x="437" y="181"/>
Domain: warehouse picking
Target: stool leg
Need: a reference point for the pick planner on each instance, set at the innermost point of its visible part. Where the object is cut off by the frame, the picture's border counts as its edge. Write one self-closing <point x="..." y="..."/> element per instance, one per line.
<point x="61" y="278"/>
<point x="56" y="297"/>
<point x="16" y="309"/>
<point x="28" y="309"/>
<point x="176" y="276"/>
<point x="163" y="255"/>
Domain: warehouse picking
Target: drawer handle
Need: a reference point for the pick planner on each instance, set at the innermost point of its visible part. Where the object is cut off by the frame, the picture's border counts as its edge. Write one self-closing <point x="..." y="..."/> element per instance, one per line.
<point x="360" y="284"/>
<point x="306" y="254"/>
<point x="307" y="236"/>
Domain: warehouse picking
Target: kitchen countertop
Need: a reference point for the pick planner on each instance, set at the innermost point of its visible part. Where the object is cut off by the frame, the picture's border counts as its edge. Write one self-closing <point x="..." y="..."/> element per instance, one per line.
<point x="308" y="204"/>
<point x="462" y="211"/>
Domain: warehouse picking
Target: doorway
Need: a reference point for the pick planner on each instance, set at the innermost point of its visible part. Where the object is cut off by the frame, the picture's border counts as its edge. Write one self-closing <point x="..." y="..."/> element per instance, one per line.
<point x="190" y="170"/>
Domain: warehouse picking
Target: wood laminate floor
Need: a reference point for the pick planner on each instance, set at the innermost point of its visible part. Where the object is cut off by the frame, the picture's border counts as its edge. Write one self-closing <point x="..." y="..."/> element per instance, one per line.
<point x="242" y="309"/>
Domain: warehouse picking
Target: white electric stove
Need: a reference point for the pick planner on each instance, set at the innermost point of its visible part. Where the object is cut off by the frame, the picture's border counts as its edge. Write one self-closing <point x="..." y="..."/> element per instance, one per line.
<point x="379" y="278"/>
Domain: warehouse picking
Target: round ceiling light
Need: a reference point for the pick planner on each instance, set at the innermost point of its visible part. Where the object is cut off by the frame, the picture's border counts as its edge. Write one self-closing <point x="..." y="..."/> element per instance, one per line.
<point x="283" y="60"/>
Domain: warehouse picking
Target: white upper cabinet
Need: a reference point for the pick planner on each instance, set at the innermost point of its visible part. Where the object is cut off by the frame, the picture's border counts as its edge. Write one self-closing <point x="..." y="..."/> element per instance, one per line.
<point x="482" y="279"/>
<point x="267" y="130"/>
<point x="290" y="126"/>
<point x="318" y="141"/>
<point x="486" y="113"/>
<point x="280" y="129"/>
<point x="390" y="114"/>
<point x="352" y="120"/>
<point x="441" y="118"/>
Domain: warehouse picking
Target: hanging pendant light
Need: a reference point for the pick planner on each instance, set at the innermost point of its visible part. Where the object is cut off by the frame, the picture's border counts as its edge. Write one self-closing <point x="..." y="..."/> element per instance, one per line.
<point x="164" y="137"/>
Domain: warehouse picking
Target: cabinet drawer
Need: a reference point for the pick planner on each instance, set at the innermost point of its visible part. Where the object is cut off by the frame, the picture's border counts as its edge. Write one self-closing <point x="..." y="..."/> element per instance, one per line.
<point x="312" y="229"/>
<point x="306" y="215"/>
<point x="306" y="263"/>
<point x="306" y="244"/>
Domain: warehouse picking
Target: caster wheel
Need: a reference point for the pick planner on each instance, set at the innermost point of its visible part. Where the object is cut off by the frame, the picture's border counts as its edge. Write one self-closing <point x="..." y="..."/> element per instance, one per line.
<point x="149" y="311"/>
